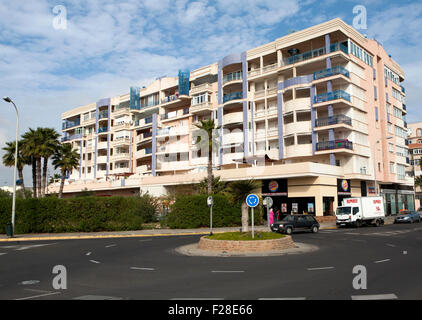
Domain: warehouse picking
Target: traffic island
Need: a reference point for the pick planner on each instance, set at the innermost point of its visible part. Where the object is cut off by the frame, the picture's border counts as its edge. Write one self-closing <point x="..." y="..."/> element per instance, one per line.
<point x="233" y="244"/>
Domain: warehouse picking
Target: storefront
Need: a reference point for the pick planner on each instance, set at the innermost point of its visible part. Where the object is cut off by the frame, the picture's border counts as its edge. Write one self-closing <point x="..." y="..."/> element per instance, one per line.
<point x="397" y="197"/>
<point x="343" y="190"/>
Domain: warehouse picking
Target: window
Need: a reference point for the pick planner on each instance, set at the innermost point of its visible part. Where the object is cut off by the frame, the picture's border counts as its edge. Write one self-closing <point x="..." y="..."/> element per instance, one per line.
<point x="398" y="113"/>
<point x="391" y="75"/>
<point x="361" y="53"/>
<point x="391" y="167"/>
<point x="419" y="132"/>
<point x="397" y="95"/>
<point x="202" y="98"/>
<point x="391" y="147"/>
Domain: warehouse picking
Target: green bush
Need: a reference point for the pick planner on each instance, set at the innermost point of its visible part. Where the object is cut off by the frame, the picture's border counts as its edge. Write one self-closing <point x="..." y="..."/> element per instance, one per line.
<point x="86" y="214"/>
<point x="192" y="212"/>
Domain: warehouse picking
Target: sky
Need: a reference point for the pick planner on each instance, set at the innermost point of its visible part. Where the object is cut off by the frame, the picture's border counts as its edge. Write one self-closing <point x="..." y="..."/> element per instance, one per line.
<point x="58" y="55"/>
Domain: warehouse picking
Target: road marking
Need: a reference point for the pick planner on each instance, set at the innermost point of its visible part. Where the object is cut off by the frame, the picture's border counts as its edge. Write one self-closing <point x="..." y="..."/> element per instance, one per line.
<point x="146" y="269"/>
<point x="146" y="240"/>
<point x="375" y="297"/>
<point x="29" y="282"/>
<point x="298" y="298"/>
<point x="404" y="252"/>
<point x="39" y="296"/>
<point x="93" y="261"/>
<point x="196" y="299"/>
<point x="391" y="245"/>
<point x="34" y="246"/>
<point x="357" y="240"/>
<point x="380" y="261"/>
<point x="321" y="268"/>
<point x="111" y="245"/>
<point x="227" y="271"/>
<point x="93" y="297"/>
<point x="352" y="233"/>
<point x="88" y="253"/>
<point x="2" y="253"/>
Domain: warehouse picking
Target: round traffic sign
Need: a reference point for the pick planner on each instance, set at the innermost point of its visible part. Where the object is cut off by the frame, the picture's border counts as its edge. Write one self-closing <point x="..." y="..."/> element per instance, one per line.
<point x="268" y="201"/>
<point x="252" y="200"/>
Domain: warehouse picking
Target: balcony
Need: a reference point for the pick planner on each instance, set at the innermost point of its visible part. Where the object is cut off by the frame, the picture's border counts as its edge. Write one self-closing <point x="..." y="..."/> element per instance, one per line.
<point x="172" y="131"/>
<point x="402" y="89"/>
<point x="143" y="122"/>
<point x="314" y="53"/>
<point x="102" y="130"/>
<point x="121" y="157"/>
<point x="103" y="115"/>
<point x="234" y="117"/>
<point x="171" y="98"/>
<point x="71" y="124"/>
<point x="234" y="76"/>
<point x="233" y="96"/>
<point x="329" y="121"/>
<point x="175" y="115"/>
<point x="123" y="141"/>
<point x="148" y="104"/>
<point x="335" y="144"/>
<point x="331" y="72"/>
<point x="201" y="88"/>
<point x="335" y="95"/>
<point x="144" y="152"/>
<point x="201" y="107"/>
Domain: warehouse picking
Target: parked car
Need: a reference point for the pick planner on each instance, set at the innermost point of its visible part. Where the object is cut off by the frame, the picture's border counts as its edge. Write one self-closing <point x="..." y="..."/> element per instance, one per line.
<point x="420" y="212"/>
<point x="407" y="216"/>
<point x="296" y="222"/>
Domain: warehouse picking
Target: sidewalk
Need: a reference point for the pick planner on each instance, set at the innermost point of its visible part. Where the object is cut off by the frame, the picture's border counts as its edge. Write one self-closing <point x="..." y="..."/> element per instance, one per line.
<point x="131" y="234"/>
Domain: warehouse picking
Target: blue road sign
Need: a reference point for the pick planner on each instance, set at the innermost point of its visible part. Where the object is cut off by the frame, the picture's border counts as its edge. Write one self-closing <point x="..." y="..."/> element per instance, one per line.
<point x="252" y="200"/>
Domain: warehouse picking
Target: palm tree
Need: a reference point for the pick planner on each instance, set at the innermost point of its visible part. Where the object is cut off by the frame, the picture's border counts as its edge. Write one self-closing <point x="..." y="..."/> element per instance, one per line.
<point x="240" y="190"/>
<point x="209" y="142"/>
<point x="32" y="147"/>
<point x="66" y="160"/>
<point x="48" y="148"/>
<point x="218" y="186"/>
<point x="9" y="160"/>
<point x="53" y="178"/>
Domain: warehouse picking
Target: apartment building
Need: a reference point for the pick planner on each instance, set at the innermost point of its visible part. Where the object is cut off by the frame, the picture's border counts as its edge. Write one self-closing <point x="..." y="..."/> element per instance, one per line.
<point x="317" y="115"/>
<point x="415" y="156"/>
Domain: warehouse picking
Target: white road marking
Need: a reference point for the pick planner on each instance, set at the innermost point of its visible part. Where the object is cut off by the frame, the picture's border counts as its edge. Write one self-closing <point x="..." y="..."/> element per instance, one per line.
<point x="88" y="253"/>
<point x="111" y="245"/>
<point x="145" y="240"/>
<point x="146" y="269"/>
<point x="29" y="282"/>
<point x="39" y="296"/>
<point x="380" y="261"/>
<point x="94" y="261"/>
<point x="404" y="252"/>
<point x="196" y="299"/>
<point x="321" y="268"/>
<point x="352" y="233"/>
<point x="2" y="253"/>
<point x="375" y="297"/>
<point x="391" y="245"/>
<point x="227" y="271"/>
<point x="34" y="246"/>
<point x="298" y="298"/>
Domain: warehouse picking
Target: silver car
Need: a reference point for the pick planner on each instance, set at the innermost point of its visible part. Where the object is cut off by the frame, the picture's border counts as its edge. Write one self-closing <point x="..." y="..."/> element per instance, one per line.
<point x="407" y="217"/>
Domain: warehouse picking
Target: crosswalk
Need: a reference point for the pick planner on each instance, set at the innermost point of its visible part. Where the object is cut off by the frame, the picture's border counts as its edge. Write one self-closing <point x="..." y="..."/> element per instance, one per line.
<point x="391" y="233"/>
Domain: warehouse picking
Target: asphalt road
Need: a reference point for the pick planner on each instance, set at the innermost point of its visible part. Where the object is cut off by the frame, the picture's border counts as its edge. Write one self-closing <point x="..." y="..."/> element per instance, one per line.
<point x="148" y="268"/>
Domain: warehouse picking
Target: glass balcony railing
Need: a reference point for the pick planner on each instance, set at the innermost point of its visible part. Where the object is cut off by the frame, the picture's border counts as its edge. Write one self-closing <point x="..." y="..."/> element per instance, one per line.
<point x="334" y="144"/>
<point x="71" y="124"/>
<point x="328" y="121"/>
<point x="402" y="89"/>
<point x="404" y="107"/>
<point x="149" y="104"/>
<point x="338" y="94"/>
<point x="146" y="135"/>
<point x="315" y="53"/>
<point x="102" y="129"/>
<point x="103" y="115"/>
<point x="232" y="76"/>
<point x="148" y="150"/>
<point x="148" y="120"/>
<point x="232" y="96"/>
<point x="331" y="72"/>
<point x="170" y="98"/>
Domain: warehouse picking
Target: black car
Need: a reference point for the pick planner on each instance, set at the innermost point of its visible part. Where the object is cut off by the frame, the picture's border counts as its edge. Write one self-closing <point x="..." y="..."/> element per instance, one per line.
<point x="296" y="222"/>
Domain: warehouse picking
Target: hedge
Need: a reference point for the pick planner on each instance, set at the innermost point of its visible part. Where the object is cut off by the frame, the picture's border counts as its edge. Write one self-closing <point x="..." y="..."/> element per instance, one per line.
<point x="87" y="214"/>
<point x="192" y="212"/>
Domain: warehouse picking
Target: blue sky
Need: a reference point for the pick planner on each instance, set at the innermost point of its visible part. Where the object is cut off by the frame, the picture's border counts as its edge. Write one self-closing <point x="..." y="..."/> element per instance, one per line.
<point x="110" y="45"/>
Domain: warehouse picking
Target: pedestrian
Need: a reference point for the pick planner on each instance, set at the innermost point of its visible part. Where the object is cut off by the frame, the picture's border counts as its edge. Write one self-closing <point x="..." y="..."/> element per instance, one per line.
<point x="277" y="214"/>
<point x="271" y="216"/>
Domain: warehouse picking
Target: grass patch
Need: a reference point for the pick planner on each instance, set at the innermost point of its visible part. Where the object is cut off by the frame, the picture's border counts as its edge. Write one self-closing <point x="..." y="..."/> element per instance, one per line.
<point x="245" y="236"/>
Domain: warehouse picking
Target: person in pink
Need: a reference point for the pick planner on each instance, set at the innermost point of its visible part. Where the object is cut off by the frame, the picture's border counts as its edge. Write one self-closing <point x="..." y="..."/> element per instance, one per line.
<point x="271" y="216"/>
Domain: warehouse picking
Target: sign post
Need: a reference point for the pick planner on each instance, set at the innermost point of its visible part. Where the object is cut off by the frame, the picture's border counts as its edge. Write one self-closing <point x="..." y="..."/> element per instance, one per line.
<point x="210" y="202"/>
<point x="252" y="201"/>
<point x="268" y="202"/>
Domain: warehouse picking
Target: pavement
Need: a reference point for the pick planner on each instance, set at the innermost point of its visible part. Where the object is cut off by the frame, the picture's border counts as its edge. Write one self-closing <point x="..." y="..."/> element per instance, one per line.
<point x="150" y="268"/>
<point x="132" y="234"/>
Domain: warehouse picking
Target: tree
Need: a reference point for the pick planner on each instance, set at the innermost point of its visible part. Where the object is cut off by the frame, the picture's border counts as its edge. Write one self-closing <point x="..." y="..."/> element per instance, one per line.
<point x="239" y="191"/>
<point x="66" y="160"/>
<point x="210" y="143"/>
<point x="32" y="147"/>
<point x="48" y="148"/>
<point x="54" y="177"/>
<point x="217" y="186"/>
<point x="9" y="159"/>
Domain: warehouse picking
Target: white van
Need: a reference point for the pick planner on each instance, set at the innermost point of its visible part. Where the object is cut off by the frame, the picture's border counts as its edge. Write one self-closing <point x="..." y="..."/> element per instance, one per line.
<point x="362" y="210"/>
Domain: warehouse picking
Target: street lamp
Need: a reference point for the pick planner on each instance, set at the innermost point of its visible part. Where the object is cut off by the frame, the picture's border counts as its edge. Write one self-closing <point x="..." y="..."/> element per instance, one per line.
<point x="375" y="170"/>
<point x="7" y="99"/>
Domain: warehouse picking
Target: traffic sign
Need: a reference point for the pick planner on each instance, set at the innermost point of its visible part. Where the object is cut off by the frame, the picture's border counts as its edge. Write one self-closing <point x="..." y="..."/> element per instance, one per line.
<point x="210" y="201"/>
<point x="252" y="200"/>
<point x="268" y="202"/>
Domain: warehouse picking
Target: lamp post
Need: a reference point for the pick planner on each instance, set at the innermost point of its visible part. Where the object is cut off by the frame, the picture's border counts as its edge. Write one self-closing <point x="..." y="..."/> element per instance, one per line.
<point x="7" y="99"/>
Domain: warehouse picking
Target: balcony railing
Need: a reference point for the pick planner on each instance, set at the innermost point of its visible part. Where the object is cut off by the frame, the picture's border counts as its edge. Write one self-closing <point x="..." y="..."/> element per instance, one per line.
<point x="103" y="115"/>
<point x="70" y="124"/>
<point x="402" y="89"/>
<point x="314" y="53"/>
<point x="232" y="76"/>
<point x="338" y="94"/>
<point x="149" y="104"/>
<point x="232" y="96"/>
<point x="404" y="107"/>
<point x="331" y="72"/>
<point x="173" y="97"/>
<point x="328" y="121"/>
<point x="335" y="144"/>
<point x="102" y="129"/>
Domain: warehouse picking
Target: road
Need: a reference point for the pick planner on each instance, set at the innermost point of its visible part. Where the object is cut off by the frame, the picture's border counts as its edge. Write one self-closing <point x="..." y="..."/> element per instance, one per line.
<point x="148" y="268"/>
